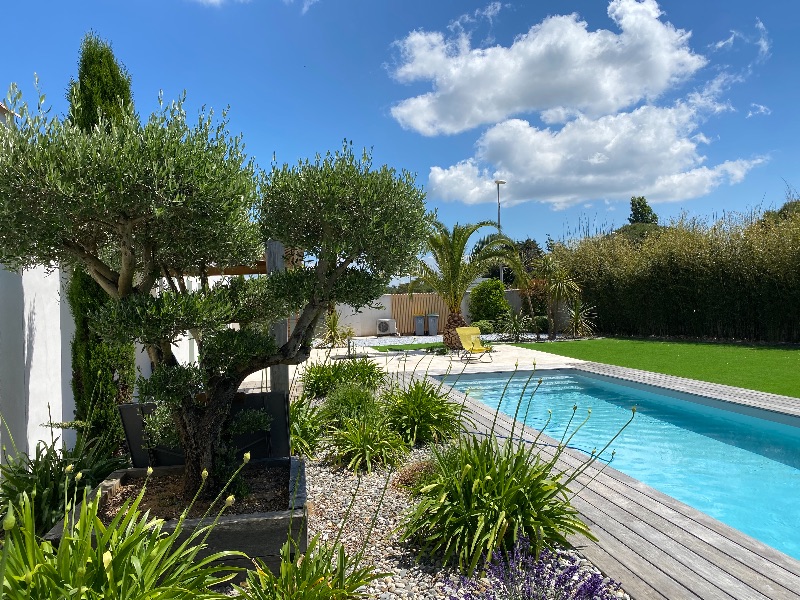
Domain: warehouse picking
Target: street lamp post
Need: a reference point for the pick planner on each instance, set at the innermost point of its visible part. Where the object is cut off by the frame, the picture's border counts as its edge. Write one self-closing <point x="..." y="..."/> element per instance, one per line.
<point x="499" y="182"/>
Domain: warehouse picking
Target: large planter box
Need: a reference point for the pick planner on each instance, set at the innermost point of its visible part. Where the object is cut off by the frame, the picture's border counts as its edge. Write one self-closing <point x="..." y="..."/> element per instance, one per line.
<point x="259" y="535"/>
<point x="265" y="444"/>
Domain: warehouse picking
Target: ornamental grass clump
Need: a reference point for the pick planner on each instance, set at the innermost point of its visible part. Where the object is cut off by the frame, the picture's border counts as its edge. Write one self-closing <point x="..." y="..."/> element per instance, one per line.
<point x="521" y="575"/>
<point x="486" y="494"/>
<point x="422" y="414"/>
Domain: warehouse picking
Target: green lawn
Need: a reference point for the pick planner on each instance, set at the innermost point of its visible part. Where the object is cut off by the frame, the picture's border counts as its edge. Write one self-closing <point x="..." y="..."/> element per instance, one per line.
<point x="765" y="368"/>
<point x="409" y="347"/>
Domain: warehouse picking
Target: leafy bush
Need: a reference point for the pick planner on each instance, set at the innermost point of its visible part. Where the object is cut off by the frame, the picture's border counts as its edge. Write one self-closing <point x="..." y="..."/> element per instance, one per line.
<point x="348" y="401"/>
<point x="319" y="379"/>
<point x="422" y="414"/>
<point x="485" y="498"/>
<point x="487" y="301"/>
<point x="486" y="327"/>
<point x="365" y="443"/>
<point x="521" y="575"/>
<point x="131" y="558"/>
<point x="305" y="427"/>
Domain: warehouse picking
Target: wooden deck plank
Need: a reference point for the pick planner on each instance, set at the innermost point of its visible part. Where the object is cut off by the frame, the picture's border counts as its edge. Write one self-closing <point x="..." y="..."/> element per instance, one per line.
<point x="656" y="546"/>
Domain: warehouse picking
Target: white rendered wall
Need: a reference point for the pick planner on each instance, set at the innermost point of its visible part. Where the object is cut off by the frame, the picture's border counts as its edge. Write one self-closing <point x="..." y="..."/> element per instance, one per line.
<point x="48" y="329"/>
<point x="36" y="330"/>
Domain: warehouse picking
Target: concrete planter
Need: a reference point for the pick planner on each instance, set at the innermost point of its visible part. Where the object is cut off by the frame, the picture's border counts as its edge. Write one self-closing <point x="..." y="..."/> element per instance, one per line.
<point x="263" y="444"/>
<point x="259" y="535"/>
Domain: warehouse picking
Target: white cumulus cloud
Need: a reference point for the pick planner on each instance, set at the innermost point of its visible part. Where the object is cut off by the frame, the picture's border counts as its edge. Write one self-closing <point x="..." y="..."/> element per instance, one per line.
<point x="599" y="128"/>
<point x="652" y="151"/>
<point x="559" y="65"/>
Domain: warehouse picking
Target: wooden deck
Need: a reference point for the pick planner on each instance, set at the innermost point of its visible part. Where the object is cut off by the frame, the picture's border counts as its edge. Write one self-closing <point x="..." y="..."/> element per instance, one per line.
<point x="654" y="545"/>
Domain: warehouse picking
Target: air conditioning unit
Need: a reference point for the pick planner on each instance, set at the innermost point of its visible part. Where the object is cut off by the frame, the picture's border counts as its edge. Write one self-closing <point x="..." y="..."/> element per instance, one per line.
<point x="387" y="327"/>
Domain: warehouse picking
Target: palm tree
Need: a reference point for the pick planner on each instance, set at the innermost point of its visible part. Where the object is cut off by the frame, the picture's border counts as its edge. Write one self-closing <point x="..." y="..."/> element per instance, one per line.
<point x="559" y="287"/>
<point x="455" y="270"/>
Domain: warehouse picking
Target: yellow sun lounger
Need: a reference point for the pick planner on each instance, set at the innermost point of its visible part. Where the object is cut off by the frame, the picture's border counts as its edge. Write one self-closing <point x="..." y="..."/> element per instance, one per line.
<point x="473" y="346"/>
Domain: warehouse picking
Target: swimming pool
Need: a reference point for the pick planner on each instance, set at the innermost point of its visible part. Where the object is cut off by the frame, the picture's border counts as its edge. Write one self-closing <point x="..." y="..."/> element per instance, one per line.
<point x="738" y="468"/>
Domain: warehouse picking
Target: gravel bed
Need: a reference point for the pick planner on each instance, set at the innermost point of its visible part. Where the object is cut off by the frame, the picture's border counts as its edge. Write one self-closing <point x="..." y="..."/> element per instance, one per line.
<point x="330" y="491"/>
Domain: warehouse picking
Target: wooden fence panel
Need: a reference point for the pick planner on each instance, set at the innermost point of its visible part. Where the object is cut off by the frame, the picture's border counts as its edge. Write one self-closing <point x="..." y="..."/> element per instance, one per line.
<point x="405" y="306"/>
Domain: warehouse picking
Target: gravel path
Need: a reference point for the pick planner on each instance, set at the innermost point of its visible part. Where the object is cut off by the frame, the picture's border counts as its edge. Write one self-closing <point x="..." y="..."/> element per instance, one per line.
<point x="330" y="491"/>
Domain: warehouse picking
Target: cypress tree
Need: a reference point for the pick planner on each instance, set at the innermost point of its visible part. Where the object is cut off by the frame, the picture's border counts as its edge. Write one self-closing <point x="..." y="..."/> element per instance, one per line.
<point x="102" y="374"/>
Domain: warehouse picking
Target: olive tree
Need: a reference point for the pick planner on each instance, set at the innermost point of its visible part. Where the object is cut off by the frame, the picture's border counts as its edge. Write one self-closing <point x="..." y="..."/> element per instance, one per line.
<point x="144" y="205"/>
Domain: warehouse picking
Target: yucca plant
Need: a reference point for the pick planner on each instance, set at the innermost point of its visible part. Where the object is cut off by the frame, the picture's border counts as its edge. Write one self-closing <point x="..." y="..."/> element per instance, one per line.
<point x="580" y="319"/>
<point x="305" y="427"/>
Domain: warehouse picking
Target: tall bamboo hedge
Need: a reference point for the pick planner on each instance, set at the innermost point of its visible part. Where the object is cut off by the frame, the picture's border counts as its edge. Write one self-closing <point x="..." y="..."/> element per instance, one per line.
<point x="735" y="279"/>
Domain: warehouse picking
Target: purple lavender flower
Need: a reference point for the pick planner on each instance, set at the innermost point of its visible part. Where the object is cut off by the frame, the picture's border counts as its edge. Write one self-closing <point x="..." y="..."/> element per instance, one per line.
<point x="519" y="575"/>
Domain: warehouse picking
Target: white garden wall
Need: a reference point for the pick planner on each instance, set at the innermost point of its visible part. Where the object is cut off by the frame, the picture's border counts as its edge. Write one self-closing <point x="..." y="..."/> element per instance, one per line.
<point x="36" y="330"/>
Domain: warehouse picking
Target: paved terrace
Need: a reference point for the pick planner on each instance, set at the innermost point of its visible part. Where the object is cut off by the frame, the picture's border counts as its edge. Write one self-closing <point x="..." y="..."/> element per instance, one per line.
<point x="654" y="545"/>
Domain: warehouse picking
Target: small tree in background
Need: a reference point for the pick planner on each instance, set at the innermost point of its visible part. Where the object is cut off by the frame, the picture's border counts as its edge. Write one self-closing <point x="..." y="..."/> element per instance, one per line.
<point x="487" y="301"/>
<point x="102" y="374"/>
<point x="641" y="211"/>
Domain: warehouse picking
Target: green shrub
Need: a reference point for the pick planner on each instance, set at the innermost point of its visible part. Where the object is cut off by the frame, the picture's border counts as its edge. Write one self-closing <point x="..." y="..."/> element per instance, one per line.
<point x="103" y="373"/>
<point x="319" y="379"/>
<point x="487" y="301"/>
<point x="366" y="443"/>
<point x="486" y="327"/>
<point x="305" y="427"/>
<point x="484" y="497"/>
<point x="736" y="278"/>
<point x="347" y="401"/>
<point x="422" y="414"/>
<point x="335" y="335"/>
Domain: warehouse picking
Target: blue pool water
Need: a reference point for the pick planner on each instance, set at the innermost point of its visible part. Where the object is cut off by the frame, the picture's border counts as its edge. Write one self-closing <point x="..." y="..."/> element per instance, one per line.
<point x="740" y="469"/>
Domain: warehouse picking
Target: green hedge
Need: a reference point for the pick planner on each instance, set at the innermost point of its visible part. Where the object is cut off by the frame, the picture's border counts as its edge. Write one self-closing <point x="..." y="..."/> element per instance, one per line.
<point x="487" y="301"/>
<point x="735" y="279"/>
<point x="103" y="375"/>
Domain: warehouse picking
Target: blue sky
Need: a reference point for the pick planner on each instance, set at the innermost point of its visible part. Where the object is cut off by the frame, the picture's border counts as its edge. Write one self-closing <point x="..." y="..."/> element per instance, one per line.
<point x="577" y="104"/>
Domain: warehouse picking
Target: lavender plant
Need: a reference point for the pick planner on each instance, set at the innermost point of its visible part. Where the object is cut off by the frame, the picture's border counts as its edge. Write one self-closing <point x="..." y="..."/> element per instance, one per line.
<point x="520" y="575"/>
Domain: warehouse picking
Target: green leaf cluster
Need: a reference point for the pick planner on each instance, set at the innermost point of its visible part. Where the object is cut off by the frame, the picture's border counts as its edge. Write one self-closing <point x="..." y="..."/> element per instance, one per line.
<point x="44" y="478"/>
<point x="320" y="379"/>
<point x="131" y="558"/>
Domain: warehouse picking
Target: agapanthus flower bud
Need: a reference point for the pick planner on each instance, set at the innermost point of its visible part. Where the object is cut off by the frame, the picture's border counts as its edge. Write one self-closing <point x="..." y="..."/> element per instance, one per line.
<point x="246" y="457"/>
<point x="229" y="501"/>
<point x="149" y="471"/>
<point x="10" y="520"/>
<point x="204" y="474"/>
<point x="69" y="468"/>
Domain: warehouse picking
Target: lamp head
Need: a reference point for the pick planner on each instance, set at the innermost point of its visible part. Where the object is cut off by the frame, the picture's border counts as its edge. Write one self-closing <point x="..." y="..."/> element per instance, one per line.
<point x="499" y="181"/>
